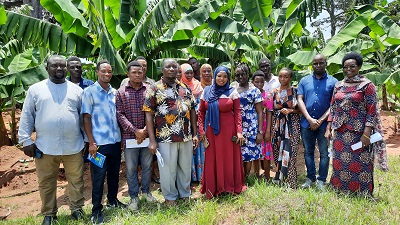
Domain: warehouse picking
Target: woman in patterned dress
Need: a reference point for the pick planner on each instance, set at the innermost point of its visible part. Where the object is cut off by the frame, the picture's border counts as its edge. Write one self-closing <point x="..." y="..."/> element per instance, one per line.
<point x="354" y="115"/>
<point x="286" y="127"/>
<point x="252" y="119"/>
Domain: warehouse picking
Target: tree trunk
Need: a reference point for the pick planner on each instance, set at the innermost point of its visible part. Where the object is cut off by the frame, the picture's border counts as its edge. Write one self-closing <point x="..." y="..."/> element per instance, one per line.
<point x="384" y="98"/>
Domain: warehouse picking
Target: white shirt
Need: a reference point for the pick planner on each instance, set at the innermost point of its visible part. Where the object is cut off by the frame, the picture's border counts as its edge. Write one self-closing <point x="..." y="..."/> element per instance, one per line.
<point x="53" y="110"/>
<point x="271" y="84"/>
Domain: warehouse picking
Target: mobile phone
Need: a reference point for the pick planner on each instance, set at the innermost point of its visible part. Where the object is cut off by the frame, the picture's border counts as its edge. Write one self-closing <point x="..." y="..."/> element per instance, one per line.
<point x="234" y="139"/>
<point x="38" y="153"/>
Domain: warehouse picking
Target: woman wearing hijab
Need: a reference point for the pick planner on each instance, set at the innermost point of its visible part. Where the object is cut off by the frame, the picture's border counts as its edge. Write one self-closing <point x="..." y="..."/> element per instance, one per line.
<point x="205" y="75"/>
<point x="220" y="127"/>
<point x="354" y="115"/>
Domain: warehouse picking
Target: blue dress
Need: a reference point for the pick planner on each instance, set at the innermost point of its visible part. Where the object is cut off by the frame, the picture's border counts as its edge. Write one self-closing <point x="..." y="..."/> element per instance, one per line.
<point x="198" y="156"/>
<point x="248" y="100"/>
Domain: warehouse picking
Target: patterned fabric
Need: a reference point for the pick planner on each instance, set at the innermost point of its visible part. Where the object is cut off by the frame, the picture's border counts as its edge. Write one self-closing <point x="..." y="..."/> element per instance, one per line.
<point x="171" y="105"/>
<point x="100" y="104"/>
<point x="266" y="148"/>
<point x="354" y="105"/>
<point x="286" y="126"/>
<point x="248" y="100"/>
<point x="129" y="103"/>
<point x="198" y="162"/>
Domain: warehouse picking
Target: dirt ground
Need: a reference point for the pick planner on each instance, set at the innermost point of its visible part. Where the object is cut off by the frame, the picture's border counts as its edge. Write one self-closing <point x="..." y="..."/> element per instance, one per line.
<point x="19" y="187"/>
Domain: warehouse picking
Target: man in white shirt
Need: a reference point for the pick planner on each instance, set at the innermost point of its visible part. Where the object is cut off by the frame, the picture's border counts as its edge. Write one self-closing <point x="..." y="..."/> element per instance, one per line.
<point x="271" y="81"/>
<point x="52" y="108"/>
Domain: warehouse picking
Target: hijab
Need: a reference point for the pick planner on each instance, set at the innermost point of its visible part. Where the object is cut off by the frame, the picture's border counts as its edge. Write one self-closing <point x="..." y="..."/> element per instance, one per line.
<point x="205" y="83"/>
<point x="194" y="84"/>
<point x="211" y="95"/>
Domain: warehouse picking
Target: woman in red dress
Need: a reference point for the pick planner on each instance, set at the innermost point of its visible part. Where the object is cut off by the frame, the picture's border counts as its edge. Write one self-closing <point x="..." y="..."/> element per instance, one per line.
<point x="220" y="112"/>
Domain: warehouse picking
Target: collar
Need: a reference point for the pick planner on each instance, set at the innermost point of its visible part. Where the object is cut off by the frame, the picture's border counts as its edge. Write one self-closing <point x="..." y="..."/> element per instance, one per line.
<point x="323" y="77"/>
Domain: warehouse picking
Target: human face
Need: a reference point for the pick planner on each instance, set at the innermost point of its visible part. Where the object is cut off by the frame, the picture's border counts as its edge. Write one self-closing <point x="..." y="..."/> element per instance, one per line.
<point x="104" y="73"/>
<point x="206" y="73"/>
<point x="195" y="64"/>
<point x="135" y="74"/>
<point x="144" y="65"/>
<point x="319" y="65"/>
<point x="221" y="78"/>
<point x="259" y="82"/>
<point x="241" y="76"/>
<point x="189" y="75"/>
<point x="265" y="67"/>
<point x="75" y="69"/>
<point x="350" y="68"/>
<point x="57" y="69"/>
<point x="170" y="70"/>
<point x="284" y="78"/>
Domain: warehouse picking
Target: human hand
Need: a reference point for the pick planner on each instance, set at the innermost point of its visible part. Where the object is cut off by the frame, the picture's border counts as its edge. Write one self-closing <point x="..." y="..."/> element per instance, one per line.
<point x="259" y="138"/>
<point x="201" y="137"/>
<point x="286" y="111"/>
<point x="93" y="149"/>
<point x="140" y="134"/>
<point x="153" y="147"/>
<point x="240" y="139"/>
<point x="30" y="150"/>
<point x="328" y="134"/>
<point x="314" y="123"/>
<point x="365" y="140"/>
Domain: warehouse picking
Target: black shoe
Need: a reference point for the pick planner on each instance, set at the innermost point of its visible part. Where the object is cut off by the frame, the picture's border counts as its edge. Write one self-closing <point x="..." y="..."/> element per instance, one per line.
<point x="78" y="214"/>
<point x="116" y="204"/>
<point x="48" y="220"/>
<point x="156" y="180"/>
<point x="97" y="218"/>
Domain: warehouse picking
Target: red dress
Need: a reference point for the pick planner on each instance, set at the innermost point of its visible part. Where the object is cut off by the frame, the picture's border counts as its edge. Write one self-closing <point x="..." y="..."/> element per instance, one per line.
<point x="223" y="167"/>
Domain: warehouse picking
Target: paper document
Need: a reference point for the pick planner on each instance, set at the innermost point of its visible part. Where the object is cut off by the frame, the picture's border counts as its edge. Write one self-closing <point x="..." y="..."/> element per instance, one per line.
<point x="374" y="138"/>
<point x="159" y="158"/>
<point x="132" y="143"/>
<point x="98" y="161"/>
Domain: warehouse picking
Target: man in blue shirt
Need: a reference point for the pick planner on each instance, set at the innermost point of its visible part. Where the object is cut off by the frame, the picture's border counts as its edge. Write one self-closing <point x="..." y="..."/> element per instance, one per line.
<point x="314" y="97"/>
<point x="103" y="135"/>
<point x="74" y="66"/>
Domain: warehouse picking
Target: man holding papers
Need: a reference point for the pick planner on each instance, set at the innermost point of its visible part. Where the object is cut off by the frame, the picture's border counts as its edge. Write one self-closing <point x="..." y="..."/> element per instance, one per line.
<point x="129" y="103"/>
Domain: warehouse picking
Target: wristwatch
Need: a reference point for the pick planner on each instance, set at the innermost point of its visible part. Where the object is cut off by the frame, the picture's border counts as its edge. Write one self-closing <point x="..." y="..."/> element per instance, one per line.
<point x="259" y="132"/>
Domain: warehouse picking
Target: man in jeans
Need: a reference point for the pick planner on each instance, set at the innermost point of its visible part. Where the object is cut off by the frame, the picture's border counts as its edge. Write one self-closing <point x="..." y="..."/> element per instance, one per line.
<point x="129" y="103"/>
<point x="314" y="96"/>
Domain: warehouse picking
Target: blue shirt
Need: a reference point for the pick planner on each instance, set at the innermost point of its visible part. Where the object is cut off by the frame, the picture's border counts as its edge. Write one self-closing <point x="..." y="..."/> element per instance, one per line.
<point x="53" y="111"/>
<point x="84" y="83"/>
<point x="317" y="95"/>
<point x="100" y="104"/>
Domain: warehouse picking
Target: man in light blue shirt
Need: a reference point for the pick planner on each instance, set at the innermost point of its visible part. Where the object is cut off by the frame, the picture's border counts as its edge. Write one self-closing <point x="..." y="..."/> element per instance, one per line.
<point x="52" y="108"/>
<point x="314" y="96"/>
<point x="103" y="134"/>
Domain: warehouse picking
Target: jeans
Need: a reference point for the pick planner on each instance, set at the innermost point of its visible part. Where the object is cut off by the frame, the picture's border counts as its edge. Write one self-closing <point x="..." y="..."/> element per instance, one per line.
<point x="309" y="136"/>
<point x="111" y="168"/>
<point x="132" y="157"/>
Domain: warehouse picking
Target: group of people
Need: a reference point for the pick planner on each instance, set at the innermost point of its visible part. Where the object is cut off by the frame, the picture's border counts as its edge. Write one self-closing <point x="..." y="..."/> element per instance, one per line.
<point x="201" y="127"/>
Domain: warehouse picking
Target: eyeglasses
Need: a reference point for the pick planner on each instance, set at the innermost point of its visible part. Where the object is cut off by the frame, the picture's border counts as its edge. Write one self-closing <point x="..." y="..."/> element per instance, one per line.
<point x="349" y="67"/>
<point x="319" y="64"/>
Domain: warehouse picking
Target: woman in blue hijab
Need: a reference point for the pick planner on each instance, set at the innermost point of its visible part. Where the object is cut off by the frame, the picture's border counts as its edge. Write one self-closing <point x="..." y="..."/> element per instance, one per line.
<point x="220" y="129"/>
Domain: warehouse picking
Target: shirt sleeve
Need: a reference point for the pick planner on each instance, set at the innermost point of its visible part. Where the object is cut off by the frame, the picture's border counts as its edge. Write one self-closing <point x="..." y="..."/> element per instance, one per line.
<point x="237" y="115"/>
<point x="300" y="88"/>
<point x="333" y="106"/>
<point x="371" y="98"/>
<point x="149" y="104"/>
<point x="27" y="121"/>
<point x="87" y="102"/>
<point x="201" y="117"/>
<point x="126" y="125"/>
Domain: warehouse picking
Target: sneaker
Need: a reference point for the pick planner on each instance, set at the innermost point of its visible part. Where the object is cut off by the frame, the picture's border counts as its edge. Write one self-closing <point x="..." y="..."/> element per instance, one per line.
<point x="149" y="197"/>
<point x="133" y="205"/>
<point x="308" y="183"/>
<point x="320" y="185"/>
<point x="97" y="218"/>
<point x="116" y="204"/>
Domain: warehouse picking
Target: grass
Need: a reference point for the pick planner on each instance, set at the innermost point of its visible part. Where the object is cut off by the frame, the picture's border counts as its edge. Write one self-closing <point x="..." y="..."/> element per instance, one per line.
<point x="266" y="204"/>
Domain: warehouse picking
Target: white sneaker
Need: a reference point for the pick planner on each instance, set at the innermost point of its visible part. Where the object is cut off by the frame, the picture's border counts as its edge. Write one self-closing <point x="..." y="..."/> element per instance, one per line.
<point x="133" y="205"/>
<point x="320" y="185"/>
<point x="149" y="197"/>
<point x="308" y="183"/>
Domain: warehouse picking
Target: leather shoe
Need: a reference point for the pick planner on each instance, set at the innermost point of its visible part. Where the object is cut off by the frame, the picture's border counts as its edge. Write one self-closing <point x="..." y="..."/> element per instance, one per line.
<point x="48" y="220"/>
<point x="78" y="214"/>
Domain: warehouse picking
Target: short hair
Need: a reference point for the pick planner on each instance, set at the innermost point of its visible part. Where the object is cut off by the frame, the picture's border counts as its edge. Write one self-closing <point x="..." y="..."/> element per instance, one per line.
<point x="140" y="57"/>
<point x="192" y="58"/>
<point x="258" y="73"/>
<point x="168" y="59"/>
<point x="263" y="59"/>
<point x="73" y="58"/>
<point x="353" y="55"/>
<point x="101" y="62"/>
<point x="52" y="57"/>
<point x="133" y="64"/>
<point x="288" y="70"/>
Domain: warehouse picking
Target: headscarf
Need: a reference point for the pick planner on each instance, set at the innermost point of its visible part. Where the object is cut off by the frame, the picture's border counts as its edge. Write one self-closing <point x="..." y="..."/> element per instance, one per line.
<point x="211" y="95"/>
<point x="194" y="84"/>
<point x="205" y="83"/>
